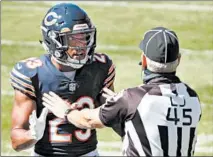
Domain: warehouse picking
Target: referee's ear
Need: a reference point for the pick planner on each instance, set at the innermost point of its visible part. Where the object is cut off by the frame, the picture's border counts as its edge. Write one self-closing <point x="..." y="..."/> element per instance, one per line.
<point x="143" y="61"/>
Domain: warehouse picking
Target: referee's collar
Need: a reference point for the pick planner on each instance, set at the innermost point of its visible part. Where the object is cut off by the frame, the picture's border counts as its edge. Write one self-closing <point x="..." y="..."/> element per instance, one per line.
<point x="156" y="78"/>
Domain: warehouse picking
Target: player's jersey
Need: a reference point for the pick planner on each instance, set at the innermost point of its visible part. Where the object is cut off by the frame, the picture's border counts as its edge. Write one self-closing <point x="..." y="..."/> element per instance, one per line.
<point x="159" y="118"/>
<point x="36" y="76"/>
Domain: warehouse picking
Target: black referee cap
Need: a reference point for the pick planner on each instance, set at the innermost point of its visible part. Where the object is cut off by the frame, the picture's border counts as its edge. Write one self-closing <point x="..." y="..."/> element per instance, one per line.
<point x="160" y="45"/>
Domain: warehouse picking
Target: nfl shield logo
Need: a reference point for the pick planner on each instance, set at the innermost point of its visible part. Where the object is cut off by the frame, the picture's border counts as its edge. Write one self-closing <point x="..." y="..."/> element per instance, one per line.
<point x="72" y="86"/>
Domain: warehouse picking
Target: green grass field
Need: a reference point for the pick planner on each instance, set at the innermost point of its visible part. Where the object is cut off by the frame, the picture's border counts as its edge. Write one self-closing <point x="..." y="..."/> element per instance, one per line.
<point x="122" y="27"/>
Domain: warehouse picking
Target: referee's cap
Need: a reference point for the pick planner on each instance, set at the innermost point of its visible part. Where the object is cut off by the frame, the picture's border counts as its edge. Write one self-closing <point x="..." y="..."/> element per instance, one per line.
<point x="161" y="48"/>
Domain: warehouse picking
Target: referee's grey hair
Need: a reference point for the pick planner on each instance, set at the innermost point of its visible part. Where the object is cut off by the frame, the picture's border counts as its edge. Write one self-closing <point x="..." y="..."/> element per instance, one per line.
<point x="161" y="67"/>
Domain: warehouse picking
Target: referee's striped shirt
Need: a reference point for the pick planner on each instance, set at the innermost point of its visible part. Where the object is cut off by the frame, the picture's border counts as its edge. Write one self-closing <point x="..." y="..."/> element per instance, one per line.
<point x="157" y="119"/>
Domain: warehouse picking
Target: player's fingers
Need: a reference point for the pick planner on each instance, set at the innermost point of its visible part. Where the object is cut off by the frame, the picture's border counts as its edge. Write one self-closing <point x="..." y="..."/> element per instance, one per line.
<point x="49" y="97"/>
<point x="74" y="106"/>
<point x="108" y="91"/>
<point x="55" y="96"/>
<point x="56" y="99"/>
<point x="32" y="123"/>
<point x="44" y="114"/>
<point x="106" y="95"/>
<point x="47" y="105"/>
<point x="34" y="114"/>
<point x="32" y="130"/>
<point x="32" y="118"/>
<point x="48" y="101"/>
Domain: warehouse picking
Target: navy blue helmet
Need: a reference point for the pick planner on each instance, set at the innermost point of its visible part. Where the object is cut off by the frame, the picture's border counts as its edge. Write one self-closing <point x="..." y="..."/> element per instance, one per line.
<point x="63" y="26"/>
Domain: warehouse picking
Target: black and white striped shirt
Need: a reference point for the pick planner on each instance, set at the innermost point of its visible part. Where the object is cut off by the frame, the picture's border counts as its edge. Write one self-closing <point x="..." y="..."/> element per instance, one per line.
<point x="159" y="118"/>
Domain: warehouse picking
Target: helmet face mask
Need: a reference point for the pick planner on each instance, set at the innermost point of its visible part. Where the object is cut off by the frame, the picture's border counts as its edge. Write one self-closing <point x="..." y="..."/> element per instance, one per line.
<point x="69" y="38"/>
<point x="76" y="45"/>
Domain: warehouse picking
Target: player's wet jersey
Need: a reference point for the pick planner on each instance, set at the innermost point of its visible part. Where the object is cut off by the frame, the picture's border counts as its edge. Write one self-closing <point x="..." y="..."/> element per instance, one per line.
<point x="36" y="76"/>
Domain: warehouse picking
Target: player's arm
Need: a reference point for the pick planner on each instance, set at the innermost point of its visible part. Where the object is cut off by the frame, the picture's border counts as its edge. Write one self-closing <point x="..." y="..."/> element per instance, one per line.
<point x="112" y="112"/>
<point x="80" y="119"/>
<point x="26" y="128"/>
<point x="20" y="134"/>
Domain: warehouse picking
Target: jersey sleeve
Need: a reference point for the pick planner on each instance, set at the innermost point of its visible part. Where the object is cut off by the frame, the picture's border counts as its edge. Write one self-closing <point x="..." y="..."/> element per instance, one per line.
<point x="110" y="73"/>
<point x="21" y="79"/>
<point x="106" y="70"/>
<point x="115" y="110"/>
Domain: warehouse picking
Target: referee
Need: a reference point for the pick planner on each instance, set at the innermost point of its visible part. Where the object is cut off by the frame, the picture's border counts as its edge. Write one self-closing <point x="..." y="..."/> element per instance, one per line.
<point x="159" y="118"/>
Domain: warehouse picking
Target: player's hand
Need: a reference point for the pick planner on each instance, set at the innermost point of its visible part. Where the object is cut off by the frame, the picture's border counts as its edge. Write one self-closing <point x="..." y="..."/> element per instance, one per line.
<point x="74" y="106"/>
<point x="37" y="125"/>
<point x="54" y="103"/>
<point x="107" y="93"/>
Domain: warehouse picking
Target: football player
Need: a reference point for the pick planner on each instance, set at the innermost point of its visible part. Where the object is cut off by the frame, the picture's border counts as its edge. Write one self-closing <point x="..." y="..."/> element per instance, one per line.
<point x="72" y="70"/>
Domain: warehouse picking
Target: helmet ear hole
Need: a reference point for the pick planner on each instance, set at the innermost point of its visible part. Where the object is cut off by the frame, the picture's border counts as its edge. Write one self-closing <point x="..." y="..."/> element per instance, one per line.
<point x="52" y="34"/>
<point x="60" y="54"/>
<point x="57" y="54"/>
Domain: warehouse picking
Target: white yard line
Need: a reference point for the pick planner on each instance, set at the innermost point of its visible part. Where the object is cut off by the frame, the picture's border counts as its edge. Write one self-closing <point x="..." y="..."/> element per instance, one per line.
<point x="99" y="47"/>
<point x="21" y="43"/>
<point x="203" y="138"/>
<point x="204" y="150"/>
<point x="7" y="93"/>
<point x="23" y="8"/>
<point x="145" y="5"/>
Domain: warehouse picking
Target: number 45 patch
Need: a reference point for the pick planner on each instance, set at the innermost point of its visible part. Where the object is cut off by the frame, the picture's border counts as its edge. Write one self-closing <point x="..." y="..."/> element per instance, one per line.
<point x="172" y="113"/>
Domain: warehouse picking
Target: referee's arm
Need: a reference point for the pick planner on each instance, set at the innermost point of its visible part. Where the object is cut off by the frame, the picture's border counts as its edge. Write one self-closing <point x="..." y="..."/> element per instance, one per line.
<point x="114" y="111"/>
<point x="86" y="118"/>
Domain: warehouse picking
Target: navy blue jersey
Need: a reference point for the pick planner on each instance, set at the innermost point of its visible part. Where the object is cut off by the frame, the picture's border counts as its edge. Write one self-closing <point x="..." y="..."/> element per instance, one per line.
<point x="36" y="76"/>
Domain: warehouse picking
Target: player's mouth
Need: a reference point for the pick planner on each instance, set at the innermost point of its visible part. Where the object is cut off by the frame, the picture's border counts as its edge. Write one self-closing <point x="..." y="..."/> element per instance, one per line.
<point x="79" y="56"/>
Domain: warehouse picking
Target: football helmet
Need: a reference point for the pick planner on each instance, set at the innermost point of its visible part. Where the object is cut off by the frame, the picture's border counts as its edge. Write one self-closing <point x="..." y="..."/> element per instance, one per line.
<point x="67" y="27"/>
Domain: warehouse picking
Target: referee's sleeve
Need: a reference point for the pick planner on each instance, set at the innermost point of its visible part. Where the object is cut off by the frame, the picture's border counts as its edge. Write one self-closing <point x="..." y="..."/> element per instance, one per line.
<point x="115" y="110"/>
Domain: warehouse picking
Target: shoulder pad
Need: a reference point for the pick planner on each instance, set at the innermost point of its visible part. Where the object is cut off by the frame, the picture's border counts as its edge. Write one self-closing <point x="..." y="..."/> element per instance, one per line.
<point x="101" y="58"/>
<point x="22" y="74"/>
<point x="29" y="66"/>
<point x="109" y="66"/>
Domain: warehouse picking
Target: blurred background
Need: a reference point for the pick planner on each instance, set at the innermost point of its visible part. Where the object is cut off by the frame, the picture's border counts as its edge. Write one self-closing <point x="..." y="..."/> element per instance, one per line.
<point x="120" y="27"/>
